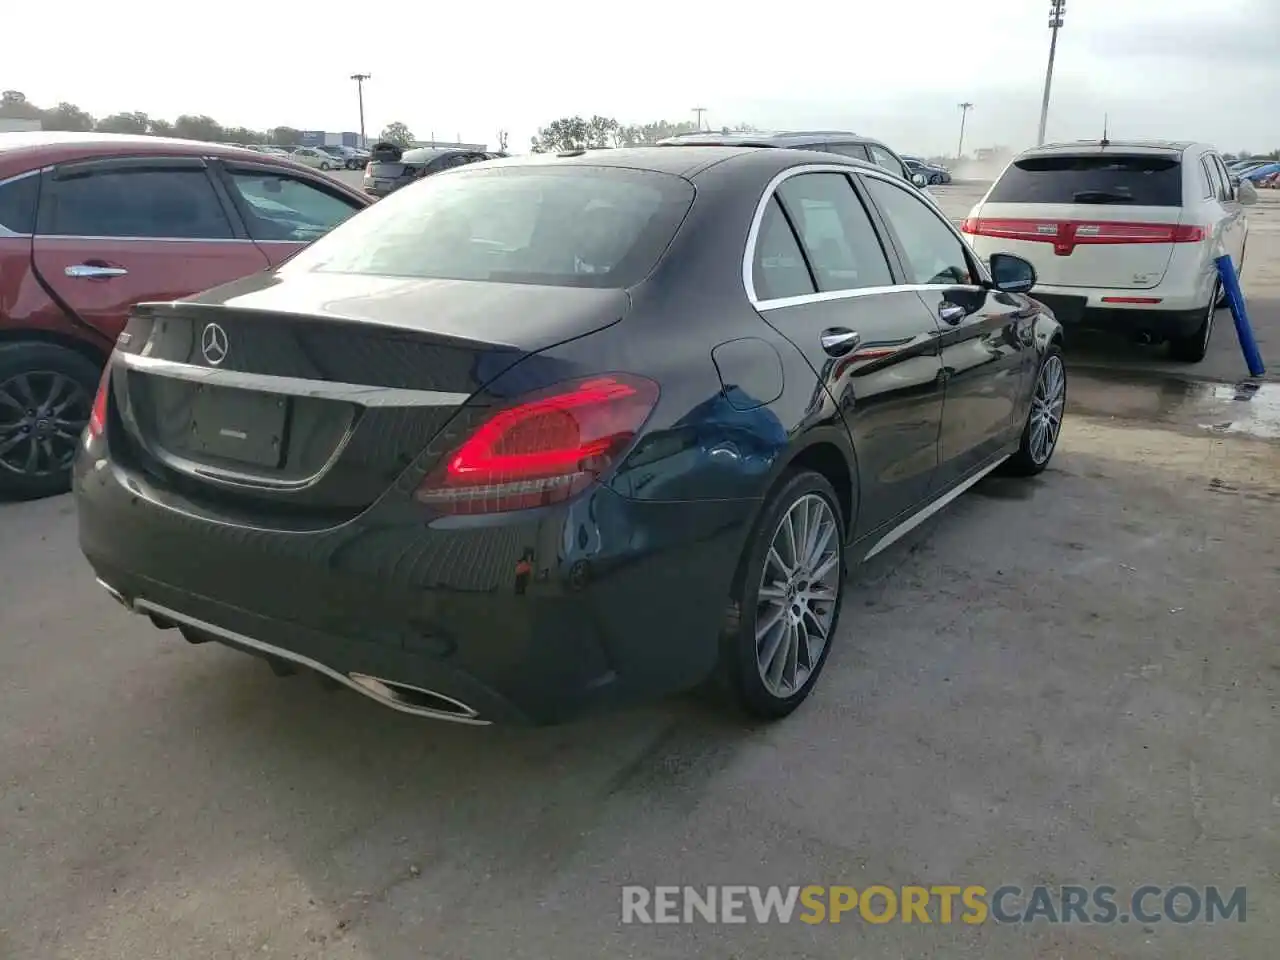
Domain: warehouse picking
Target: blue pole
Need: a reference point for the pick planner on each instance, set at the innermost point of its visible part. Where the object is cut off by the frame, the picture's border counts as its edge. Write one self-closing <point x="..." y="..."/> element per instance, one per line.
<point x="1235" y="297"/>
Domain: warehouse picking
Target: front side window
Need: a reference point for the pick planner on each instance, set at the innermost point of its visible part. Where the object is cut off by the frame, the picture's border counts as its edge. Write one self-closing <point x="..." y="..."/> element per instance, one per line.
<point x="1228" y="189"/>
<point x="934" y="254"/>
<point x="281" y="207"/>
<point x="835" y="232"/>
<point x="154" y="204"/>
<point x="564" y="226"/>
<point x="1213" y="176"/>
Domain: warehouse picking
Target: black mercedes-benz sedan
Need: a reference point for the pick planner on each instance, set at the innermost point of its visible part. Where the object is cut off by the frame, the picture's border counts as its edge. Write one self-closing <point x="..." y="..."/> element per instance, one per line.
<point x="531" y="438"/>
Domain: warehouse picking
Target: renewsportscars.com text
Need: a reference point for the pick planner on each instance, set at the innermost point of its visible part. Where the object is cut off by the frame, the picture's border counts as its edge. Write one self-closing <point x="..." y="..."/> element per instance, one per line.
<point x="941" y="904"/>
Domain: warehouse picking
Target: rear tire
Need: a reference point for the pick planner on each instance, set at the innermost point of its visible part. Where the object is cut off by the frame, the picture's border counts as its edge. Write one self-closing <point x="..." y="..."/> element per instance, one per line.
<point x="786" y="601"/>
<point x="324" y="166"/>
<point x="46" y="395"/>
<point x="1044" y="419"/>
<point x="1192" y="348"/>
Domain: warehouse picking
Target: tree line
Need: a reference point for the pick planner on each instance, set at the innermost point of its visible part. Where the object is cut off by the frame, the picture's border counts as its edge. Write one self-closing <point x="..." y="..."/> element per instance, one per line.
<point x="14" y="105"/>
<point x="598" y="133"/>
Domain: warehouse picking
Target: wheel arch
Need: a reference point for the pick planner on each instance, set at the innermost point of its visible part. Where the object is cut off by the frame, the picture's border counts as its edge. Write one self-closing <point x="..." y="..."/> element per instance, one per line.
<point x="90" y="351"/>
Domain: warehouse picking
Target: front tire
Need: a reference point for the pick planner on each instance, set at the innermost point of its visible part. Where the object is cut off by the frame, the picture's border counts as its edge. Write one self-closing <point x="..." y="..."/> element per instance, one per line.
<point x="787" y="598"/>
<point x="935" y="180"/>
<point x="324" y="166"/>
<point x="1193" y="347"/>
<point x="1044" y="420"/>
<point x="46" y="395"/>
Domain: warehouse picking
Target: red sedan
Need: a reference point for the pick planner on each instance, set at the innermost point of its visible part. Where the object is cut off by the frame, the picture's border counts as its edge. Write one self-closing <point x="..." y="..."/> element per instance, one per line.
<point x="91" y="224"/>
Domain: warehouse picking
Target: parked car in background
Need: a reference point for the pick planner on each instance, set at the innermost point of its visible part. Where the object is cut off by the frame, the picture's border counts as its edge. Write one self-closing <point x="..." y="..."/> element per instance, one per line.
<point x="269" y="149"/>
<point x="391" y="167"/>
<point x="1262" y="173"/>
<point x="829" y="141"/>
<point x="349" y="157"/>
<point x="1124" y="235"/>
<point x="543" y="436"/>
<point x="312" y="157"/>
<point x="934" y="174"/>
<point x="91" y="224"/>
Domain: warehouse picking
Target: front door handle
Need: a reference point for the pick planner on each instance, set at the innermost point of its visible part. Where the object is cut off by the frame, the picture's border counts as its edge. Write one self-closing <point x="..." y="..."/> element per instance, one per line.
<point x="837" y="341"/>
<point x="951" y="313"/>
<point x="92" y="271"/>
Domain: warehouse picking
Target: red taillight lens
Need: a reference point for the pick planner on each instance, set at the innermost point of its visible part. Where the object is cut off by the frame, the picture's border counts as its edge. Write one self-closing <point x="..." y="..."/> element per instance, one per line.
<point x="544" y="449"/>
<point x="368" y="168"/>
<point x="98" y="416"/>
<point x="1077" y="232"/>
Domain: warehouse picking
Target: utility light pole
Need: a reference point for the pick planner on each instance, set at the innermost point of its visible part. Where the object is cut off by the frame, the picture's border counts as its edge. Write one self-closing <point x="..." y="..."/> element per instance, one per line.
<point x="699" y="111"/>
<point x="1057" y="9"/>
<point x="964" y="113"/>
<point x="360" y="78"/>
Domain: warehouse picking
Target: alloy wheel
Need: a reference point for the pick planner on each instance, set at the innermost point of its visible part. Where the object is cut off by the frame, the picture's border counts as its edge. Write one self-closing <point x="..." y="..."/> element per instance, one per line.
<point x="42" y="414"/>
<point x="799" y="586"/>
<point x="1046" y="409"/>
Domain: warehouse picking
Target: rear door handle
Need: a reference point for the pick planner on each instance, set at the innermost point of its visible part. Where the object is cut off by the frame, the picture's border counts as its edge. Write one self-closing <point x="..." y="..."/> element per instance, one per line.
<point x="837" y="341"/>
<point x="951" y="313"/>
<point x="90" y="271"/>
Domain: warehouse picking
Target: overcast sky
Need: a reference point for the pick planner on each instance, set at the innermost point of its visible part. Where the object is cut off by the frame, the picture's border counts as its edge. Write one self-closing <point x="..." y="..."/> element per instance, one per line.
<point x="1168" y="68"/>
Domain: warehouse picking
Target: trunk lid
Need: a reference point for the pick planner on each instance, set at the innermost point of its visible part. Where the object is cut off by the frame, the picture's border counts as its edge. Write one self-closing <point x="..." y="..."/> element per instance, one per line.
<point x="311" y="396"/>
<point x="1077" y="245"/>
<point x="1101" y="217"/>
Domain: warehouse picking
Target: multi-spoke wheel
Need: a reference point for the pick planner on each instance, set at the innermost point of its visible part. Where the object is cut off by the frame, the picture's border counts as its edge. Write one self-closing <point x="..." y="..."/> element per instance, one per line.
<point x="46" y="395"/>
<point x="1044" y="421"/>
<point x="787" y="600"/>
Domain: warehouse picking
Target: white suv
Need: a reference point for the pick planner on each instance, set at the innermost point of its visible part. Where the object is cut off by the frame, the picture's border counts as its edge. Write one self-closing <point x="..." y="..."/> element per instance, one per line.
<point x="1123" y="235"/>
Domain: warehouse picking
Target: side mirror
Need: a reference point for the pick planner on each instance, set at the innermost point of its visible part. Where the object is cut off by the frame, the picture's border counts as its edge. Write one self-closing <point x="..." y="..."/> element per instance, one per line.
<point x="1246" y="192"/>
<point x="1010" y="274"/>
<point x="919" y="179"/>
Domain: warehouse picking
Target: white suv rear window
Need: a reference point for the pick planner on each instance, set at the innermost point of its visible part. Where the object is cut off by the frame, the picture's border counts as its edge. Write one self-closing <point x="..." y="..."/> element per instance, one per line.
<point x="1131" y="179"/>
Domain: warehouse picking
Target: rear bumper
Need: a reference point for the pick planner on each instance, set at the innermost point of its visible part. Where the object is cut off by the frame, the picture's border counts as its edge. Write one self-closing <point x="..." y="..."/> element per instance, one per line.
<point x="529" y="618"/>
<point x="1162" y="320"/>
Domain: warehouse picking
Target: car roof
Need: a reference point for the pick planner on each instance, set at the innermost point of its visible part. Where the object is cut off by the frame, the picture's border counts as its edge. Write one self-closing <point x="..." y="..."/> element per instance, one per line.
<point x="1101" y="146"/>
<point x="690" y="161"/>
<point x="29" y="150"/>
<point x="776" y="138"/>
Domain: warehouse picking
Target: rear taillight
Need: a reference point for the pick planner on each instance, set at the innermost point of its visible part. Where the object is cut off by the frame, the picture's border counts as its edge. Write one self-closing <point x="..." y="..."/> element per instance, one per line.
<point x="98" y="415"/>
<point x="544" y="449"/>
<point x="1078" y="232"/>
<point x="368" y="168"/>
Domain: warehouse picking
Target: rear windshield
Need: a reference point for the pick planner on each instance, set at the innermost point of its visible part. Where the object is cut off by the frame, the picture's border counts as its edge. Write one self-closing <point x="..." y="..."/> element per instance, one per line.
<point x="1144" y="181"/>
<point x="573" y="226"/>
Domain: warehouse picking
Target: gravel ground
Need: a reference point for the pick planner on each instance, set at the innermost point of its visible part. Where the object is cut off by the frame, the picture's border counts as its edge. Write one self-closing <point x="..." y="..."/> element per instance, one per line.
<point x="1067" y="680"/>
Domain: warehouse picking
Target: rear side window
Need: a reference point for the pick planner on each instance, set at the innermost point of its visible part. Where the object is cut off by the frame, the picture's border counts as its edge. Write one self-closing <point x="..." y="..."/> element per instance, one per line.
<point x="139" y="204"/>
<point x="882" y="157"/>
<point x="18" y="205"/>
<point x="778" y="270"/>
<point x="577" y="226"/>
<point x="835" y="232"/>
<point x="1139" y="180"/>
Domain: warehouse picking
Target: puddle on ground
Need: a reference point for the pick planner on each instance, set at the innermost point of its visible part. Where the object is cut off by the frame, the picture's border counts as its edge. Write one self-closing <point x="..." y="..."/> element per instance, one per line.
<point x="1247" y="409"/>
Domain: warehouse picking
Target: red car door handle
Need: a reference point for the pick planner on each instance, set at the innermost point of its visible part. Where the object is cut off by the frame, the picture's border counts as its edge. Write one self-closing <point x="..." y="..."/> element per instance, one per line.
<point x="92" y="271"/>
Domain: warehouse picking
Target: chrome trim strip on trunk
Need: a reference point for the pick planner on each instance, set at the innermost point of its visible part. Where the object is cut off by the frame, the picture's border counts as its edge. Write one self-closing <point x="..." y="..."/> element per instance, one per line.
<point x="364" y="395"/>
<point x="470" y="718"/>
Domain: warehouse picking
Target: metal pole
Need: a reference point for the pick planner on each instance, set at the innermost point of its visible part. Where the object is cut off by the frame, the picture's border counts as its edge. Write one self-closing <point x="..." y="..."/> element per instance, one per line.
<point x="964" y="113"/>
<point x="1056" y="10"/>
<point x="360" y="78"/>
<point x="699" y="111"/>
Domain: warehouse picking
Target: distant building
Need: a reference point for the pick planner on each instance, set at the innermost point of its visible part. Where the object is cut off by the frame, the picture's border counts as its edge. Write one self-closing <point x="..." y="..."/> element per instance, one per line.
<point x="13" y="125"/>
<point x="323" y="138"/>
